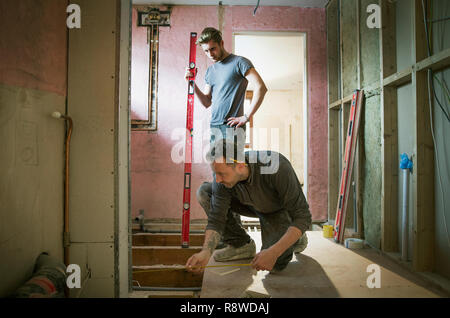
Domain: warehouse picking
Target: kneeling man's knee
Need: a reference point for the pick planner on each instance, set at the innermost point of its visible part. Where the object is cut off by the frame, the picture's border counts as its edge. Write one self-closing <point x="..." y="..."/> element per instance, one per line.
<point x="204" y="193"/>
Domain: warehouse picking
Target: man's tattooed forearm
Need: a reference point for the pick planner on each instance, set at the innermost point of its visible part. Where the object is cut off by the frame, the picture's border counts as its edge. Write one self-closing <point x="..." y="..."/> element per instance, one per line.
<point x="212" y="242"/>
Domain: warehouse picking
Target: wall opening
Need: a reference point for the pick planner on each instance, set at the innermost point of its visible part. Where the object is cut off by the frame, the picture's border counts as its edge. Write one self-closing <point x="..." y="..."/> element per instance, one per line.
<point x="281" y="121"/>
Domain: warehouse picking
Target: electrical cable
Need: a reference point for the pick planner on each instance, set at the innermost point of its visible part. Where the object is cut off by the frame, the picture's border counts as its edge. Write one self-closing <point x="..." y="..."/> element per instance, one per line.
<point x="437" y="99"/>
<point x="430" y="86"/>
<point x="256" y="8"/>
<point x="424" y="11"/>
<point x="444" y="87"/>
<point x="430" y="79"/>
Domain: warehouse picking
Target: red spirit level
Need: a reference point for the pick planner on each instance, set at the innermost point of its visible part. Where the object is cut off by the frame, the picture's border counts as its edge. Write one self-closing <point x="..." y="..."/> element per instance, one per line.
<point x="347" y="165"/>
<point x="188" y="146"/>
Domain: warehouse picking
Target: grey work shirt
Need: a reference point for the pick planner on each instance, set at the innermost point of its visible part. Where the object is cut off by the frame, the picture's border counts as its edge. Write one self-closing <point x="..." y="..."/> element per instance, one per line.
<point x="266" y="193"/>
<point x="228" y="85"/>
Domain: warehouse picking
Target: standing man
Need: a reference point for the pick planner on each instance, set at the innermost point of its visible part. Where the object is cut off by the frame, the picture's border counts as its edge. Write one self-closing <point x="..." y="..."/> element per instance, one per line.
<point x="248" y="188"/>
<point x="226" y="82"/>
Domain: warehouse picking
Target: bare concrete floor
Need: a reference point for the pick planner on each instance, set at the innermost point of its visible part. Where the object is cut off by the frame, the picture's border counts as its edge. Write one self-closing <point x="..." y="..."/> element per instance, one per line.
<point x="325" y="269"/>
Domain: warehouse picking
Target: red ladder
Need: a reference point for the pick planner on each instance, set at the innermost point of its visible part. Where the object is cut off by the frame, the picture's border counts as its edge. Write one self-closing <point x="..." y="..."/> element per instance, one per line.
<point x="347" y="165"/>
<point x="188" y="147"/>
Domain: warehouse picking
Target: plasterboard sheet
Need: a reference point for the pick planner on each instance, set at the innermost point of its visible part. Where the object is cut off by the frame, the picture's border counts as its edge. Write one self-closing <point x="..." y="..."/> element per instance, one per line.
<point x="91" y="101"/>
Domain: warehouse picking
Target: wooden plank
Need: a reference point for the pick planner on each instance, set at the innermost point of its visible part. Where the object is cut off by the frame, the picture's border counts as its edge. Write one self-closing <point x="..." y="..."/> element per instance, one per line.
<point x="358" y="174"/>
<point x="163" y="294"/>
<point x="340" y="69"/>
<point x="389" y="160"/>
<point x="336" y="104"/>
<point x="358" y="47"/>
<point x="358" y="171"/>
<point x="155" y="239"/>
<point x="165" y="276"/>
<point x="347" y="99"/>
<point x="423" y="172"/>
<point x="436" y="62"/>
<point x="332" y="51"/>
<point x="423" y="181"/>
<point x="167" y="255"/>
<point x="176" y="227"/>
<point x="399" y="78"/>
<point x="333" y="162"/>
<point x="359" y="177"/>
<point x="420" y="51"/>
<point x="389" y="199"/>
<point x="323" y="269"/>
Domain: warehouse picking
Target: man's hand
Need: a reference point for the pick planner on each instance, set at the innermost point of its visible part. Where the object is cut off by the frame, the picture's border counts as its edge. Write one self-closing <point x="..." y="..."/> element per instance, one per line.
<point x="237" y="121"/>
<point x="189" y="72"/>
<point x="264" y="260"/>
<point x="197" y="262"/>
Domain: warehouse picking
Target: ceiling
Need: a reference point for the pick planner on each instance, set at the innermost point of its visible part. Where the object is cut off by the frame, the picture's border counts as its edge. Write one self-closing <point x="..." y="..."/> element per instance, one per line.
<point x="290" y="3"/>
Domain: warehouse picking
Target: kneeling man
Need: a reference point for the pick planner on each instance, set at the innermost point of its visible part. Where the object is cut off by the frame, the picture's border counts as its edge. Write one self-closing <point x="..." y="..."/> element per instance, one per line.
<point x="260" y="184"/>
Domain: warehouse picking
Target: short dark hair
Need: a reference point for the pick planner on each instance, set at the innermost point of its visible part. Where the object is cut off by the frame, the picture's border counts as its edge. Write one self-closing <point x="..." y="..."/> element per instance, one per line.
<point x="225" y="148"/>
<point x="209" y="34"/>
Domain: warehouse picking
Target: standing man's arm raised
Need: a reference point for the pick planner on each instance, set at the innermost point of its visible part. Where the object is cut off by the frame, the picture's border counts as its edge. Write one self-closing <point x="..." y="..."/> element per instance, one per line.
<point x="204" y="97"/>
<point x="258" y="96"/>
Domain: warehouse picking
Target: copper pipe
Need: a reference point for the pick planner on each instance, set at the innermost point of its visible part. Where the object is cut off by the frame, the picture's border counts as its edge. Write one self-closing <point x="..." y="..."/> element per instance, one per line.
<point x="66" y="238"/>
<point x="66" y="192"/>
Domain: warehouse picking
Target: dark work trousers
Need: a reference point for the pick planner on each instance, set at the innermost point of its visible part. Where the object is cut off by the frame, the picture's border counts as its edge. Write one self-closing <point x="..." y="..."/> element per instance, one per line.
<point x="226" y="132"/>
<point x="273" y="225"/>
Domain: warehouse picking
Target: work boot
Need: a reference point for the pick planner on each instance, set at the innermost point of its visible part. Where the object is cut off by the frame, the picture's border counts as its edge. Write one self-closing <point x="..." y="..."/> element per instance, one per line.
<point x="301" y="244"/>
<point x="231" y="253"/>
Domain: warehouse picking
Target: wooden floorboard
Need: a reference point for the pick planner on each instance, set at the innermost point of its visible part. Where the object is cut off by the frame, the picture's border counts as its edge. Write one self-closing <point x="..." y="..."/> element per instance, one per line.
<point x="324" y="269"/>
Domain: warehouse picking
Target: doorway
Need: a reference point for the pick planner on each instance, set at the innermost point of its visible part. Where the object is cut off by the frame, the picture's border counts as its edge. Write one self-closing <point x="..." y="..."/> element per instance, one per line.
<point x="280" y="123"/>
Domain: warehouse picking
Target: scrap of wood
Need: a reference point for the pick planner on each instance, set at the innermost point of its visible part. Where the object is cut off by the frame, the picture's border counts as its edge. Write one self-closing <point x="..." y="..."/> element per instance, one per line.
<point x="229" y="272"/>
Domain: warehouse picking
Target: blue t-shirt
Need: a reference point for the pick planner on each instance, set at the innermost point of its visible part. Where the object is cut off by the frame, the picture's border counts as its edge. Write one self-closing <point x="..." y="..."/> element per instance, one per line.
<point x="228" y="85"/>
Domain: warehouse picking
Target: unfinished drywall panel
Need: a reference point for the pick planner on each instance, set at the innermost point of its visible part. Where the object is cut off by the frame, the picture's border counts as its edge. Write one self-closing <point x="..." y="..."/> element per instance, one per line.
<point x="97" y="270"/>
<point x="349" y="47"/>
<point x="32" y="86"/>
<point x="31" y="187"/>
<point x="372" y="170"/>
<point x="370" y="48"/>
<point x="404" y="30"/>
<point x="123" y="227"/>
<point x="405" y="145"/>
<point x="92" y="104"/>
<point x="441" y="127"/>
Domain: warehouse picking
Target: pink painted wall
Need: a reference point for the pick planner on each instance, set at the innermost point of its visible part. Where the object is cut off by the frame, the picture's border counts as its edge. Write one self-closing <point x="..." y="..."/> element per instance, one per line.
<point x="33" y="44"/>
<point x="157" y="182"/>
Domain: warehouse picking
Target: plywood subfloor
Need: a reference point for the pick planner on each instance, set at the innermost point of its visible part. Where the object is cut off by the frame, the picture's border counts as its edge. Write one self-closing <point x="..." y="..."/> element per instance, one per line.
<point x="324" y="269"/>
